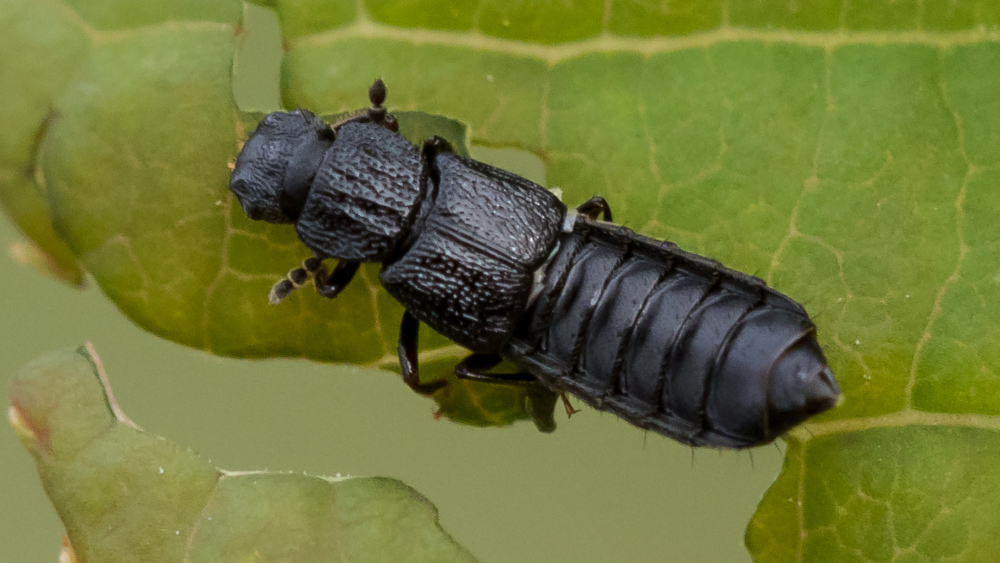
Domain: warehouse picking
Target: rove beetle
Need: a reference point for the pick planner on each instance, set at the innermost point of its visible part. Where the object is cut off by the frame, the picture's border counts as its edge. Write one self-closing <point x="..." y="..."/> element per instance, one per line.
<point x="668" y="340"/>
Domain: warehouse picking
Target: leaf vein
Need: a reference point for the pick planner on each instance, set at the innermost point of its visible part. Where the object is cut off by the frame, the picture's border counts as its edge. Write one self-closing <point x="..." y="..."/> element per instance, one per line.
<point x="963" y="249"/>
<point x="364" y="28"/>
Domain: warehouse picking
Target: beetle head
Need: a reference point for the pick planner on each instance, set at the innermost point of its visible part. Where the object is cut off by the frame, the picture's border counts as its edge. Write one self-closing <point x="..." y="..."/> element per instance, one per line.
<point x="274" y="169"/>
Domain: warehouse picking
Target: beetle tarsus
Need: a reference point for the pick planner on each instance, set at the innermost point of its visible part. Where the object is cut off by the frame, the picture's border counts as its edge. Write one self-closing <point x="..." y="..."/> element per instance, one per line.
<point x="570" y="409"/>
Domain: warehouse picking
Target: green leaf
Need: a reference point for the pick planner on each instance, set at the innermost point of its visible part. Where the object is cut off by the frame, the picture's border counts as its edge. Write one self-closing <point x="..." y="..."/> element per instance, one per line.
<point x="134" y="160"/>
<point x="44" y="45"/>
<point x="912" y="492"/>
<point x="125" y="495"/>
<point x="846" y="152"/>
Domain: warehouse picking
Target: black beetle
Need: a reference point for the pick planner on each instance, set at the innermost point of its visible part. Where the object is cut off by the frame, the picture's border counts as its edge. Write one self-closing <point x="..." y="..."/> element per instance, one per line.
<point x="668" y="340"/>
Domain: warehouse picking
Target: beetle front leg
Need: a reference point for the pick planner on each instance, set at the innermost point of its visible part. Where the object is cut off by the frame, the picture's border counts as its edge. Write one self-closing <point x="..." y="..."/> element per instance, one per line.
<point x="409" y="334"/>
<point x="594" y="207"/>
<point x="330" y="285"/>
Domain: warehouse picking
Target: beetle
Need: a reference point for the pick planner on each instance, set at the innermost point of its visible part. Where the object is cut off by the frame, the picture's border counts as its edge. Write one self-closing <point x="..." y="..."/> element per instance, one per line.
<point x="668" y="340"/>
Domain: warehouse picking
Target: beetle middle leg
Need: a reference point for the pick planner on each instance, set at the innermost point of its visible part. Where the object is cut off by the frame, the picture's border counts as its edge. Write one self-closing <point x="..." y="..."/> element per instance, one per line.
<point x="475" y="366"/>
<point x="541" y="400"/>
<point x="409" y="334"/>
<point x="594" y="207"/>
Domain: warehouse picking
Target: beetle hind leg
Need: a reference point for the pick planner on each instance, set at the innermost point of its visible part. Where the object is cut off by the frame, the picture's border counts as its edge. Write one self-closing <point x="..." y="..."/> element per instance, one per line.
<point x="595" y="207"/>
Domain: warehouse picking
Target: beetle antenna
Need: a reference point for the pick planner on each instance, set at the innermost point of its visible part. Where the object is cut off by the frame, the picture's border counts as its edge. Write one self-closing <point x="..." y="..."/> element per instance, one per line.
<point x="280" y="290"/>
<point x="377" y="94"/>
<point x="294" y="279"/>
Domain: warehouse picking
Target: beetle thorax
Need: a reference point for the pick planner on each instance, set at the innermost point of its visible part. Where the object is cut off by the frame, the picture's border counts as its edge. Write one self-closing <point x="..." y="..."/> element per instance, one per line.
<point x="363" y="196"/>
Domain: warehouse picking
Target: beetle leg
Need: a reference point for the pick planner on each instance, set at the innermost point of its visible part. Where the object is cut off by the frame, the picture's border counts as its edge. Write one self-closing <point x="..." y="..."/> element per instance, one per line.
<point x="541" y="405"/>
<point x="595" y="206"/>
<point x="474" y="368"/>
<point x="570" y="409"/>
<point x="329" y="285"/>
<point x="541" y="401"/>
<point x="409" y="332"/>
<point x="434" y="146"/>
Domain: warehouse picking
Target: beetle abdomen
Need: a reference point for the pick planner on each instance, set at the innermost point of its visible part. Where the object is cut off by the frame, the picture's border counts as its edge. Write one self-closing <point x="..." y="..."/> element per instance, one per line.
<point x="672" y="341"/>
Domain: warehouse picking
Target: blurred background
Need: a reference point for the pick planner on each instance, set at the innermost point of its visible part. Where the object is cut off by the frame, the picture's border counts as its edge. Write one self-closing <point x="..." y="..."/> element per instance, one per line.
<point x="596" y="490"/>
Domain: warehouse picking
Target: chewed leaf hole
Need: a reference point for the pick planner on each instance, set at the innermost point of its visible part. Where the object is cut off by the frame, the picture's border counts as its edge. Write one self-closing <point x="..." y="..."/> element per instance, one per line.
<point x="520" y="162"/>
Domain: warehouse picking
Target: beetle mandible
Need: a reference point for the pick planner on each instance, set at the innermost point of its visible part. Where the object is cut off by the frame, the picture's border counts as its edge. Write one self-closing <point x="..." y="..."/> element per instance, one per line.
<point x="668" y="340"/>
